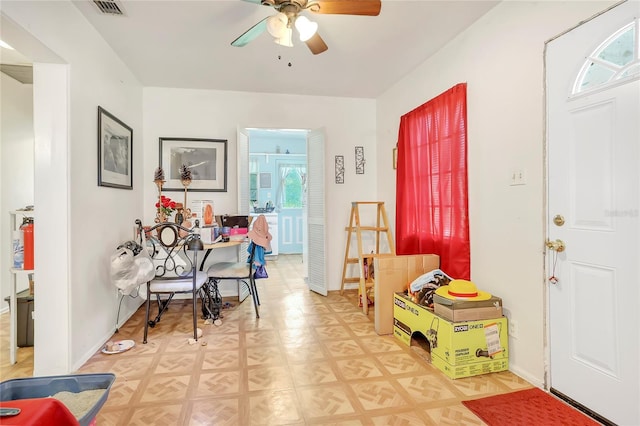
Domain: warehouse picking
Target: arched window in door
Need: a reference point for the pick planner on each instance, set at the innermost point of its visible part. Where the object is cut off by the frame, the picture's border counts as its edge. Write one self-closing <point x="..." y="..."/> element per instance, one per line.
<point x="291" y="186"/>
<point x="615" y="59"/>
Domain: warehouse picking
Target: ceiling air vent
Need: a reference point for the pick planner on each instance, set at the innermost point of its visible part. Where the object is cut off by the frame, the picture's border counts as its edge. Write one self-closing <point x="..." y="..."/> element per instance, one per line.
<point x="109" y="7"/>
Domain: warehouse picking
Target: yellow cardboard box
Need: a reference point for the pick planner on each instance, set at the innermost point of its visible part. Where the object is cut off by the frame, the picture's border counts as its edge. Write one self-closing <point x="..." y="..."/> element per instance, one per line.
<point x="460" y="349"/>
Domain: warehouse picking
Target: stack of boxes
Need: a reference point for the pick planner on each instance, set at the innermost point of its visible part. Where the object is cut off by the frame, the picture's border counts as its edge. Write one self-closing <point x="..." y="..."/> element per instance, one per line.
<point x="465" y="338"/>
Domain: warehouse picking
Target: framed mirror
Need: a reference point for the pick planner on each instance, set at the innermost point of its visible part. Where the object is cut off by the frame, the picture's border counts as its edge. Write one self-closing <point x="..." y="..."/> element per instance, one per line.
<point x="168" y="236"/>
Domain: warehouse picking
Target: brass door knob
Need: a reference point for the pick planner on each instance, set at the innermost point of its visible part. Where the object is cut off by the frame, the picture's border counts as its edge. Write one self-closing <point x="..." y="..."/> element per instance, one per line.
<point x="557" y="245"/>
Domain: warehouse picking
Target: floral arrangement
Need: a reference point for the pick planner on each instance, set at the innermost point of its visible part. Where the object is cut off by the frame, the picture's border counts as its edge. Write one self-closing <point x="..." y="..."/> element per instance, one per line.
<point x="165" y="206"/>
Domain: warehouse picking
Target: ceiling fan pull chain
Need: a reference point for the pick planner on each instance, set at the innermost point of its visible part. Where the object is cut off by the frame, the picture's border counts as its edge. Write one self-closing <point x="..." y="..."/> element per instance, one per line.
<point x="290" y="64"/>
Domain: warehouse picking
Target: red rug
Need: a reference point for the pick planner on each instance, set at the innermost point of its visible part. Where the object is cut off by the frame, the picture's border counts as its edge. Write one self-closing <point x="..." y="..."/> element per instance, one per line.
<point x="527" y="407"/>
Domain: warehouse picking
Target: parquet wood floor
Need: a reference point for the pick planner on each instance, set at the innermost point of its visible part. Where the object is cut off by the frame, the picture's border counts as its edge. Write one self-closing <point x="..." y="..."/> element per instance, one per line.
<point x="309" y="360"/>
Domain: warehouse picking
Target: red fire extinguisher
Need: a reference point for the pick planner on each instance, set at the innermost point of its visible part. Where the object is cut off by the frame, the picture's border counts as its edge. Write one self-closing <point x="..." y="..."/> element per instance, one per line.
<point x="27" y="238"/>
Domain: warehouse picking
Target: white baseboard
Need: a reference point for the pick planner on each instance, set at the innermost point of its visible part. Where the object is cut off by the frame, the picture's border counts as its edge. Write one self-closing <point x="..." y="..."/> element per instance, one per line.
<point x="535" y="381"/>
<point x="105" y="338"/>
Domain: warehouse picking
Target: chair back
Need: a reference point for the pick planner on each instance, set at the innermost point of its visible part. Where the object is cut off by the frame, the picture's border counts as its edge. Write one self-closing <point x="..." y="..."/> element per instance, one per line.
<point x="168" y="244"/>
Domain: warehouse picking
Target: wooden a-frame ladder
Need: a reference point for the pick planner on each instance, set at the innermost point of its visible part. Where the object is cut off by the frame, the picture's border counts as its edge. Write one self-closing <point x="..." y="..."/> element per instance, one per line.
<point x="364" y="281"/>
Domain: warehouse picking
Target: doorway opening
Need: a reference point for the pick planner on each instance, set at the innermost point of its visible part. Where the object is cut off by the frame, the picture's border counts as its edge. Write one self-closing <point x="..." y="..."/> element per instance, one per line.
<point x="277" y="179"/>
<point x="295" y="181"/>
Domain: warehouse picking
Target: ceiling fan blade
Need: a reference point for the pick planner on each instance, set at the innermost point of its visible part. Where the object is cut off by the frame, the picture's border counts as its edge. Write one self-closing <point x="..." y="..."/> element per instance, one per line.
<point x="347" y="7"/>
<point x="251" y="33"/>
<point x="316" y="44"/>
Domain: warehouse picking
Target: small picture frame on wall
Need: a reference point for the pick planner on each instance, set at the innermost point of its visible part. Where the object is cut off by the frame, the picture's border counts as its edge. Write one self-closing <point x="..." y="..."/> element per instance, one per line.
<point x="206" y="158"/>
<point x="115" y="151"/>
<point x="265" y="180"/>
<point x="339" y="167"/>
<point x="360" y="161"/>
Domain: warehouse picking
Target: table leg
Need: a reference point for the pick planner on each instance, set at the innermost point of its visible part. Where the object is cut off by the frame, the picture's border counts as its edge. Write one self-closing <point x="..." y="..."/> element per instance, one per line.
<point x="204" y="259"/>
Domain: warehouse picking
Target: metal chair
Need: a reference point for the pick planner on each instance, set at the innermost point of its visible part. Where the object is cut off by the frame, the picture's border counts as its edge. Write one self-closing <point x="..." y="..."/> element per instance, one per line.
<point x="176" y="271"/>
<point x="241" y="271"/>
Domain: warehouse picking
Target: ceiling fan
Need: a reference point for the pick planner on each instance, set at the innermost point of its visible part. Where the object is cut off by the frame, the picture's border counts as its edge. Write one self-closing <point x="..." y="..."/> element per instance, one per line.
<point x="288" y="16"/>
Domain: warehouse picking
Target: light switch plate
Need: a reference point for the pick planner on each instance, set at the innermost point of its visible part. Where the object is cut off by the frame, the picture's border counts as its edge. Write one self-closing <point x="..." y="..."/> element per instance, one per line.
<point x="517" y="177"/>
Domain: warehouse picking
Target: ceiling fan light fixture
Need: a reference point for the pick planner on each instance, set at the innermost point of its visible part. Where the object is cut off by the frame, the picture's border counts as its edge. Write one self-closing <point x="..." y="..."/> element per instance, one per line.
<point x="285" y="38"/>
<point x="277" y="25"/>
<point x="305" y="27"/>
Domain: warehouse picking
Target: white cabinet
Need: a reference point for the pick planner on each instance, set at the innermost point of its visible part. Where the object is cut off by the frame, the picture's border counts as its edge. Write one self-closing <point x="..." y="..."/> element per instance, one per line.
<point x="272" y="220"/>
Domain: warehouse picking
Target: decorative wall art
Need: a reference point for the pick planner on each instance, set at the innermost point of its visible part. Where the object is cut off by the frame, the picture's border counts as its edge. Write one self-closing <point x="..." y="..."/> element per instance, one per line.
<point x="115" y="152"/>
<point x="265" y="180"/>
<point x="205" y="158"/>
<point x="339" y="168"/>
<point x="360" y="160"/>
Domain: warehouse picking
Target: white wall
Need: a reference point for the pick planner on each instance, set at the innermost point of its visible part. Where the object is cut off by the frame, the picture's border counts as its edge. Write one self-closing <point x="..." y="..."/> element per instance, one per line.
<point x="98" y="218"/>
<point x="16" y="168"/>
<point x="501" y="59"/>
<point x="217" y="114"/>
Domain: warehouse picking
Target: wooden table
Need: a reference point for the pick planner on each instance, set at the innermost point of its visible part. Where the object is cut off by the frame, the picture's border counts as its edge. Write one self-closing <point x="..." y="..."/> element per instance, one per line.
<point x="209" y="248"/>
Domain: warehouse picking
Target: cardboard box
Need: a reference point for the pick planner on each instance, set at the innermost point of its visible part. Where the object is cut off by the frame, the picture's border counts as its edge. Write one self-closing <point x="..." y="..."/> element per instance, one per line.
<point x="461" y="349"/>
<point x="238" y="234"/>
<point x="238" y="231"/>
<point x="393" y="274"/>
<point x="208" y="234"/>
<point x="464" y="304"/>
<point x="452" y="314"/>
<point x="464" y="310"/>
<point x="471" y="369"/>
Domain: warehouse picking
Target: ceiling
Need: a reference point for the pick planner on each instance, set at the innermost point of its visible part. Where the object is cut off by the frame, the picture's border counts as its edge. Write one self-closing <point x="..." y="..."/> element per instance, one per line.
<point x="187" y="44"/>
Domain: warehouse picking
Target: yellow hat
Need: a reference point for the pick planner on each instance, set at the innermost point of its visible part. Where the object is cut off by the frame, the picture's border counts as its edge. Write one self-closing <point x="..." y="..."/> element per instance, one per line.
<point x="462" y="290"/>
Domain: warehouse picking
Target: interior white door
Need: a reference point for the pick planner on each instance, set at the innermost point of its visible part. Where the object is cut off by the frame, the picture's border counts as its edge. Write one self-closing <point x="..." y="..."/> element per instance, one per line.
<point x="316" y="247"/>
<point x="243" y="192"/>
<point x="593" y="183"/>
<point x="243" y="170"/>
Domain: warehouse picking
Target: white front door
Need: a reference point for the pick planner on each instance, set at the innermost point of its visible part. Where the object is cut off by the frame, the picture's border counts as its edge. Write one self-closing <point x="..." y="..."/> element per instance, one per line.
<point x="593" y="186"/>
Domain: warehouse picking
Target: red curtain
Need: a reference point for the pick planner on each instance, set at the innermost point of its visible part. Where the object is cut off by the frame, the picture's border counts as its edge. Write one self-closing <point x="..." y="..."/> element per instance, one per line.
<point x="431" y="194"/>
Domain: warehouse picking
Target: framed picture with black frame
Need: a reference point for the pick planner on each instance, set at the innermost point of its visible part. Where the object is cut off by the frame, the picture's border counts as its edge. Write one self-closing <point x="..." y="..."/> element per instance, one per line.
<point x="205" y="158"/>
<point x="115" y="151"/>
